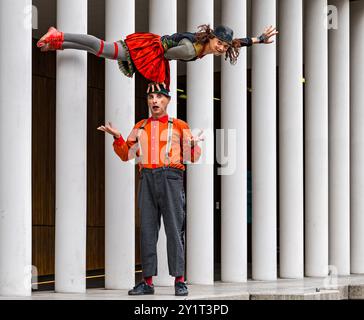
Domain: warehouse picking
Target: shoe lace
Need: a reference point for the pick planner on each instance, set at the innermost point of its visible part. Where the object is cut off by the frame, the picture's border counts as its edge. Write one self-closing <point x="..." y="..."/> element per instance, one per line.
<point x="140" y="284"/>
<point x="181" y="285"/>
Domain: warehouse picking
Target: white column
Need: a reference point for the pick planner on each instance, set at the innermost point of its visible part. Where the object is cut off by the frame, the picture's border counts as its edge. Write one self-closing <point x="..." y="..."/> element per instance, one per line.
<point x="339" y="140"/>
<point x="234" y="176"/>
<point x="15" y="148"/>
<point x="200" y="177"/>
<point x="264" y="146"/>
<point x="357" y="137"/>
<point x="119" y="176"/>
<point x="316" y="139"/>
<point x="163" y="24"/>
<point x="70" y="254"/>
<point x="291" y="250"/>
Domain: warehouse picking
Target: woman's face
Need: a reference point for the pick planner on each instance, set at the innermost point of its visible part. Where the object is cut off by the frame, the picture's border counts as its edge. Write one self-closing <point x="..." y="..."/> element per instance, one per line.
<point x="218" y="47"/>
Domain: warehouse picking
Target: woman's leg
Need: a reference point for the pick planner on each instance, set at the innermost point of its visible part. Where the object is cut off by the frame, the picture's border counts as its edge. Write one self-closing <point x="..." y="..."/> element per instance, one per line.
<point x="101" y="48"/>
<point x="56" y="40"/>
<point x="71" y="45"/>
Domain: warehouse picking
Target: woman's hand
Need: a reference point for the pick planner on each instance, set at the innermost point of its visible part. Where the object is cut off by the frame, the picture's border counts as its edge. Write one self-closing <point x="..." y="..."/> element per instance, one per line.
<point x="153" y="85"/>
<point x="266" y="36"/>
<point x="108" y="128"/>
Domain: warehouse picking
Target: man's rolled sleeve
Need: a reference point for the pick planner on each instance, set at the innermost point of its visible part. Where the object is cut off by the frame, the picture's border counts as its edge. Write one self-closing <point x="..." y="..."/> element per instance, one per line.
<point x="127" y="150"/>
<point x="121" y="148"/>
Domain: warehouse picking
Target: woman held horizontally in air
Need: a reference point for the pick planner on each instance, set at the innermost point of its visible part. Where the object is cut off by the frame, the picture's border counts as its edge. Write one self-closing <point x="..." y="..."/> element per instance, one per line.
<point x="149" y="54"/>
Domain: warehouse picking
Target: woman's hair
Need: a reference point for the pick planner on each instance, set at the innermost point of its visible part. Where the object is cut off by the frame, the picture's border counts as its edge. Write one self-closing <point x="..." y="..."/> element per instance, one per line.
<point x="205" y="33"/>
<point x="233" y="52"/>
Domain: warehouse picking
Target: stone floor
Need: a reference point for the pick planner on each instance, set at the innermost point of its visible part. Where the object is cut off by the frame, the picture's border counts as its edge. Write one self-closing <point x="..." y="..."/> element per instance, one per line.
<point x="341" y="288"/>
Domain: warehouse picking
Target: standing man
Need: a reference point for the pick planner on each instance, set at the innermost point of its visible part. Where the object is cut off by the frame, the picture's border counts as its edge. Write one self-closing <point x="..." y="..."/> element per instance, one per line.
<point x="161" y="145"/>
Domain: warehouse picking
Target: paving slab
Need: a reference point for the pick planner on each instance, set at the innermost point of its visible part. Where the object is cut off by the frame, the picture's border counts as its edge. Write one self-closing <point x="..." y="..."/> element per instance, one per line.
<point x="330" y="288"/>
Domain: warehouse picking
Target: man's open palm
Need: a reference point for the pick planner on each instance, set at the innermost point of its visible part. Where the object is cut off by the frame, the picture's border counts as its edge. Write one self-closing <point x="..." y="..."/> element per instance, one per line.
<point x="108" y="128"/>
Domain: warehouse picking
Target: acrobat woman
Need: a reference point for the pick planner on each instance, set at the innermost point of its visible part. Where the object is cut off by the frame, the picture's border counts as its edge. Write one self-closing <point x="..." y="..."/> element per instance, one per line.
<point x="149" y="54"/>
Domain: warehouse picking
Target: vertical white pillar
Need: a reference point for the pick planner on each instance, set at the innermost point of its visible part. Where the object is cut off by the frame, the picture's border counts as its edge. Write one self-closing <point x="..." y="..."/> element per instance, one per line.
<point x="200" y="177"/>
<point x="264" y="152"/>
<point x="70" y="254"/>
<point x="15" y="147"/>
<point x="291" y="250"/>
<point x="357" y="137"/>
<point x="163" y="24"/>
<point x="339" y="138"/>
<point x="234" y="176"/>
<point x="119" y="176"/>
<point x="316" y="139"/>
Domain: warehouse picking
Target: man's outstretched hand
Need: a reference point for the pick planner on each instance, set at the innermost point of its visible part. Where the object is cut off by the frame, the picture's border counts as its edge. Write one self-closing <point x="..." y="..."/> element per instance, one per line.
<point x="195" y="140"/>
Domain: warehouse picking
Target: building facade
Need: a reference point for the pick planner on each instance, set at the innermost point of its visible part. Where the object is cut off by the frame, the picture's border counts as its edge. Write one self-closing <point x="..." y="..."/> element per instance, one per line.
<point x="289" y="115"/>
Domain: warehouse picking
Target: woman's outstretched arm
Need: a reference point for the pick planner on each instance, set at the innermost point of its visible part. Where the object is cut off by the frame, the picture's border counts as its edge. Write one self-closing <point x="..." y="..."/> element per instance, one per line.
<point x="265" y="37"/>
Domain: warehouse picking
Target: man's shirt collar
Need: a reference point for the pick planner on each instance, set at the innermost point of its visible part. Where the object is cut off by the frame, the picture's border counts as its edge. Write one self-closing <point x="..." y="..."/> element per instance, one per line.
<point x="163" y="119"/>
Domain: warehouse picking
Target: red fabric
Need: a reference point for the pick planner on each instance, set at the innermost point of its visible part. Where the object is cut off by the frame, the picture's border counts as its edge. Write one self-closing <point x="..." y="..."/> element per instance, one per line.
<point x="101" y="49"/>
<point x="180" y="150"/>
<point x="55" y="45"/>
<point x="119" y="142"/>
<point x="116" y="50"/>
<point x="53" y="35"/>
<point x="53" y="38"/>
<point x="163" y="119"/>
<point x="180" y="279"/>
<point x="148" y="280"/>
<point x="147" y="53"/>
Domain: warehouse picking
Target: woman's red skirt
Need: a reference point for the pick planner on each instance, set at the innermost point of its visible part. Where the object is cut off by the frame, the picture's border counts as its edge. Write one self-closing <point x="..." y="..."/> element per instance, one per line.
<point x="147" y="54"/>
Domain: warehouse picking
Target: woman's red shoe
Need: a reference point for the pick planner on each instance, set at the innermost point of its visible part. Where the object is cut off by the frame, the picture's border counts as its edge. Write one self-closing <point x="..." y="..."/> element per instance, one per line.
<point x="52" y="40"/>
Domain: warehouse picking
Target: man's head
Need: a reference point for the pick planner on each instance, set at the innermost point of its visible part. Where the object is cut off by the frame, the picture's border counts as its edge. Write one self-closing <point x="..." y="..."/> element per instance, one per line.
<point x="158" y="101"/>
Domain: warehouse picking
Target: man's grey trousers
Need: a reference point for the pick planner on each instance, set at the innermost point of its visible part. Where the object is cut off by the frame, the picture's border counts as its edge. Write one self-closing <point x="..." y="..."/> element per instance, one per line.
<point x="161" y="193"/>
